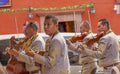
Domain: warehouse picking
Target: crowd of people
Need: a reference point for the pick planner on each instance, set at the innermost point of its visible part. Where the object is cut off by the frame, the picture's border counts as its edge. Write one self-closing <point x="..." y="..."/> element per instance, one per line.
<point x="51" y="56"/>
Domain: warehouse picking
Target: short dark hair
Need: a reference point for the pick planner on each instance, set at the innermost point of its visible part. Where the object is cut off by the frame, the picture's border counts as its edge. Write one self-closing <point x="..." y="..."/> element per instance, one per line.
<point x="86" y="24"/>
<point x="105" y="22"/>
<point x="31" y="24"/>
<point x="54" y="19"/>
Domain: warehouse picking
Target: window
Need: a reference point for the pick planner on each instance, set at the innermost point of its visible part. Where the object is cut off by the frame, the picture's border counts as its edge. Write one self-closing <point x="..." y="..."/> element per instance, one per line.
<point x="66" y="26"/>
<point x="5" y="3"/>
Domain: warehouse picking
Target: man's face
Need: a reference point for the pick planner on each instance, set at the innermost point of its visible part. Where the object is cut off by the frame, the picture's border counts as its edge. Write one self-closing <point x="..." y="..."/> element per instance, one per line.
<point x="28" y="31"/>
<point x="100" y="27"/>
<point x="83" y="29"/>
<point x="49" y="27"/>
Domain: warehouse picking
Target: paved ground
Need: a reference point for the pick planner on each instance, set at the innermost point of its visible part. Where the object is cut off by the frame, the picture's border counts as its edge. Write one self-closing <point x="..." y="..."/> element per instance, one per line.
<point x="77" y="70"/>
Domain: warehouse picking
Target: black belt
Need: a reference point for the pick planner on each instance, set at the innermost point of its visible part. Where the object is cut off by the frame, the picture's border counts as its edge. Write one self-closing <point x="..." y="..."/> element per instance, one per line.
<point x="111" y="65"/>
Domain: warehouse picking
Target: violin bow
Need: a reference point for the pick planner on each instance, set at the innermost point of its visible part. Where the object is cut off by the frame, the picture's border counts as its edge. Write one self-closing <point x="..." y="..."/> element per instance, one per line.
<point x="16" y="25"/>
<point x="89" y="18"/>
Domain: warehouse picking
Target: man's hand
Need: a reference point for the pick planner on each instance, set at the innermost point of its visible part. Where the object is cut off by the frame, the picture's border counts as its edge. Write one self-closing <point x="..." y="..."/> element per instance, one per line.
<point x="94" y="48"/>
<point x="68" y="42"/>
<point x="82" y="46"/>
<point x="12" y="51"/>
<point x="30" y="53"/>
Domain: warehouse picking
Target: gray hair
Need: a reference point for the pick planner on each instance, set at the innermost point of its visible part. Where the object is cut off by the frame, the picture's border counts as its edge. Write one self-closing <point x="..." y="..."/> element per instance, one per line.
<point x="86" y="24"/>
<point x="54" y="19"/>
<point x="31" y="24"/>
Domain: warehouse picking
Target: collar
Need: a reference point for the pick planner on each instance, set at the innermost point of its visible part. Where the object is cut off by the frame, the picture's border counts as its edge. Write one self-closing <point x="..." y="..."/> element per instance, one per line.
<point x="51" y="37"/>
<point x="109" y="31"/>
<point x="34" y="36"/>
<point x="89" y="32"/>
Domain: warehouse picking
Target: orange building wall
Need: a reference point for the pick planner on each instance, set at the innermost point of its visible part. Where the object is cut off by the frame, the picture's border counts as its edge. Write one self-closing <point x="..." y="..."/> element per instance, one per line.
<point x="104" y="9"/>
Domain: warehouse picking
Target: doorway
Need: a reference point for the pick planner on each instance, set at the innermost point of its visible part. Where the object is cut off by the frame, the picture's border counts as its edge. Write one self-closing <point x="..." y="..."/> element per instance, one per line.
<point x="66" y="26"/>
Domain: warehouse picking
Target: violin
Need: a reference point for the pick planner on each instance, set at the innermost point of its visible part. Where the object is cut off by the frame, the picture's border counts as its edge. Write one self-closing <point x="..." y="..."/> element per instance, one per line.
<point x="94" y="39"/>
<point x="78" y="37"/>
<point x="14" y="66"/>
<point x="21" y="42"/>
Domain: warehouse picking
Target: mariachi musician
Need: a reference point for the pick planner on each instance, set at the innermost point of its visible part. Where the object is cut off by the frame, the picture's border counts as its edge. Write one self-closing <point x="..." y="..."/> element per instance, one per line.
<point x="108" y="47"/>
<point x="32" y="41"/>
<point x="89" y="64"/>
<point x="55" y="59"/>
